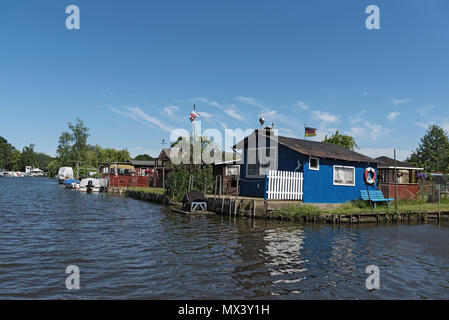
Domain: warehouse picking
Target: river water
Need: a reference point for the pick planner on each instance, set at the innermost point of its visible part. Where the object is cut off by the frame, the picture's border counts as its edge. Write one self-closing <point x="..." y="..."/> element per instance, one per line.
<point x="128" y="249"/>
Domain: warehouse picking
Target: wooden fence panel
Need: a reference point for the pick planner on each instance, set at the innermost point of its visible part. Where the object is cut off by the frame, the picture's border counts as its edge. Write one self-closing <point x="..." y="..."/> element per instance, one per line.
<point x="284" y="185"/>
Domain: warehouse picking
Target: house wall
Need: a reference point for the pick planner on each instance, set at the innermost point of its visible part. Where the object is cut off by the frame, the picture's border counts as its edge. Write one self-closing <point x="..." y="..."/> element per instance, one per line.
<point x="318" y="185"/>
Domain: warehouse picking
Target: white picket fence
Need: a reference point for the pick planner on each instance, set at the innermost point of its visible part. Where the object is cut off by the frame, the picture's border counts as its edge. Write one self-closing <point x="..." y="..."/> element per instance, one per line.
<point x="284" y="185"/>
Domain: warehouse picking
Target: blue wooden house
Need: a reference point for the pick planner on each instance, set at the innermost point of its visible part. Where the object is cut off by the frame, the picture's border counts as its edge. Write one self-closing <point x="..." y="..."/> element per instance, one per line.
<point x="330" y="173"/>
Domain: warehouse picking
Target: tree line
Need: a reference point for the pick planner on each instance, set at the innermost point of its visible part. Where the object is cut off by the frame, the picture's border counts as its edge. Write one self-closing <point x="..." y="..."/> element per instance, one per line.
<point x="73" y="149"/>
<point x="12" y="159"/>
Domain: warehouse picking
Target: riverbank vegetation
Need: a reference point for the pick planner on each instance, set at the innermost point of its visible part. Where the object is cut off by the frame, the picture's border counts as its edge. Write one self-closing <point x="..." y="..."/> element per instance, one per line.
<point x="147" y="190"/>
<point x="358" y="207"/>
<point x="12" y="159"/>
<point x="184" y="178"/>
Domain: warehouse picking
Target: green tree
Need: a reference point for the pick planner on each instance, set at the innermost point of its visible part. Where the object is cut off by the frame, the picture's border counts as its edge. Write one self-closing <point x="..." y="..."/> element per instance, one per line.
<point x="433" y="151"/>
<point x="28" y="157"/>
<point x="342" y="140"/>
<point x="64" y="149"/>
<point x="42" y="160"/>
<point x="79" y="134"/>
<point x="15" y="160"/>
<point x="144" y="157"/>
<point x="53" y="167"/>
<point x="6" y="152"/>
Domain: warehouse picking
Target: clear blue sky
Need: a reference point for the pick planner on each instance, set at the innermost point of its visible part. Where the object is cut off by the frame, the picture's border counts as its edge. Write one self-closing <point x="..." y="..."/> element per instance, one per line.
<point x="135" y="68"/>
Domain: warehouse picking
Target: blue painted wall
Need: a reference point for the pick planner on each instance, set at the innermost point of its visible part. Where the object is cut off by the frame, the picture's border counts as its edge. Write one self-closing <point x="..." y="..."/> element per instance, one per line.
<point x="318" y="185"/>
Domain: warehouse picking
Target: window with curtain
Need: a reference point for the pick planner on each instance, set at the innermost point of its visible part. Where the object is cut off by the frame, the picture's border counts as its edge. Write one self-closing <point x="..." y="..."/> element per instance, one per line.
<point x="344" y="176"/>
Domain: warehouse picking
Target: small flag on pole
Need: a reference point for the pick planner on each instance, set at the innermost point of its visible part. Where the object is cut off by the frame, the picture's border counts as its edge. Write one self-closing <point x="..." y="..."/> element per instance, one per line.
<point x="310" y="132"/>
<point x="193" y="114"/>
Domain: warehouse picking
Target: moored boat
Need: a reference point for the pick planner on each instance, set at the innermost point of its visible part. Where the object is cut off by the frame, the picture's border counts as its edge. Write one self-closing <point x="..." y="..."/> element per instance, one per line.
<point x="90" y="185"/>
<point x="65" y="173"/>
<point x="71" y="184"/>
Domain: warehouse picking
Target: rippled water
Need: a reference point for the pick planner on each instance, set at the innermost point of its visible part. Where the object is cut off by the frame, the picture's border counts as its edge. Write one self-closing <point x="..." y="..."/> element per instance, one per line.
<point x="135" y="250"/>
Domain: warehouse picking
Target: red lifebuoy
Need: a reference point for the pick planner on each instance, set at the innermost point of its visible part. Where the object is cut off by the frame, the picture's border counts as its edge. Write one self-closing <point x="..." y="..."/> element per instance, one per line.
<point x="372" y="179"/>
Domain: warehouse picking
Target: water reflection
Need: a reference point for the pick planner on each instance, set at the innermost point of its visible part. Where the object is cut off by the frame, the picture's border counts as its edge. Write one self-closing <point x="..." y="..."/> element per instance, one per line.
<point x="136" y="250"/>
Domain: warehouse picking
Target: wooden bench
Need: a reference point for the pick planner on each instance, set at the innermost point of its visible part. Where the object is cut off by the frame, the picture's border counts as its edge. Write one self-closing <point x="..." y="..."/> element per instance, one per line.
<point x="375" y="196"/>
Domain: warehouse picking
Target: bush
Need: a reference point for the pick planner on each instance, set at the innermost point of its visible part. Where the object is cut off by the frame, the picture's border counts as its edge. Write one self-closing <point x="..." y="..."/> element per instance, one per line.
<point x="177" y="183"/>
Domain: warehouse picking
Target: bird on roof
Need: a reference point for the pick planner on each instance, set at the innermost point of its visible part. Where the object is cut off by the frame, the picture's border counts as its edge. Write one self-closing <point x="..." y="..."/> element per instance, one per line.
<point x="261" y="120"/>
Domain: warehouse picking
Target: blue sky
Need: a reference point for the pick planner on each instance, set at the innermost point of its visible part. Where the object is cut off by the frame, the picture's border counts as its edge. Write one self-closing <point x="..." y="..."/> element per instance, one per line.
<point x="135" y="68"/>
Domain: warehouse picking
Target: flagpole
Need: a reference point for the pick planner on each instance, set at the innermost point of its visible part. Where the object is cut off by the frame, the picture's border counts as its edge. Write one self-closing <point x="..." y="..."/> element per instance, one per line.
<point x="305" y="136"/>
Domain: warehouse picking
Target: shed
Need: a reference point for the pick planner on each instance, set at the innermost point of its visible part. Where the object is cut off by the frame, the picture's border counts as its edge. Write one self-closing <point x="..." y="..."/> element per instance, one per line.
<point x="329" y="173"/>
<point x="405" y="181"/>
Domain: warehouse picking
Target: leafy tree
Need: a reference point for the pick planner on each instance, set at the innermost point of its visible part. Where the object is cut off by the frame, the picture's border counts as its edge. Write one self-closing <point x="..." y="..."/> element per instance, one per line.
<point x="64" y="148"/>
<point x="28" y="157"/>
<point x="6" y="152"/>
<point x="53" y="167"/>
<point x="144" y="157"/>
<point x="42" y="160"/>
<point x="79" y="134"/>
<point x="15" y="160"/>
<point x="342" y="140"/>
<point x="433" y="151"/>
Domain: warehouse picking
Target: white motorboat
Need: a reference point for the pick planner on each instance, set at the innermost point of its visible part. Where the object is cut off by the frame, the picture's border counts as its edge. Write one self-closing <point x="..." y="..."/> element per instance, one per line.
<point x="90" y="185"/>
<point x="36" y="172"/>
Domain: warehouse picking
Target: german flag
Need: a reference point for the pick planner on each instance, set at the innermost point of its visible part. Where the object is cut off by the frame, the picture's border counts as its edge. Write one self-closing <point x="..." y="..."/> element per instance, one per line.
<point x="310" y="132"/>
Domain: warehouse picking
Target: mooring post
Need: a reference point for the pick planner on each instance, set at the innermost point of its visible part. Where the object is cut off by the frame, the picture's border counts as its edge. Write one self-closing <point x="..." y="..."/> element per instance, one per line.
<point x="236" y="197"/>
<point x="254" y="208"/>
<point x="222" y="205"/>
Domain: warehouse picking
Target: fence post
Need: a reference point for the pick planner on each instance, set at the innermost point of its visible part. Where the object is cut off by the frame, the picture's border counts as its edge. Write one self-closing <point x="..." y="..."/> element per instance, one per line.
<point x="266" y="186"/>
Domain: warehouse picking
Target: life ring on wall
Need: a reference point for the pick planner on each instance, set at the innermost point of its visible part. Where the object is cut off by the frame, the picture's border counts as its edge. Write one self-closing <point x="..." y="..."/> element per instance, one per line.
<point x="370" y="175"/>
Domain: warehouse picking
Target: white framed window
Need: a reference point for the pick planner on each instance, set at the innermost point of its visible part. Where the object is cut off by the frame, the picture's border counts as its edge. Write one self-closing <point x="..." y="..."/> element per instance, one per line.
<point x="314" y="164"/>
<point x="254" y="167"/>
<point x="344" y="176"/>
<point x="233" y="170"/>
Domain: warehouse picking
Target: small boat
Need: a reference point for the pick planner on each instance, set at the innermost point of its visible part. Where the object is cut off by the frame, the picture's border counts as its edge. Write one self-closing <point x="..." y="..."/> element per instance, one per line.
<point x="71" y="184"/>
<point x="90" y="185"/>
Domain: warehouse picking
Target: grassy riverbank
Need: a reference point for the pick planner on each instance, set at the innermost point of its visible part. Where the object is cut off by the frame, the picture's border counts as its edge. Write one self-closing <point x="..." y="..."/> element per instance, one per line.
<point x="147" y="190"/>
<point x="358" y="207"/>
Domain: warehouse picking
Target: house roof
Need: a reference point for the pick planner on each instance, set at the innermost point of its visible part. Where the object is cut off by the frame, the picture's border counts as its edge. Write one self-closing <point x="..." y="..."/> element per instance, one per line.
<point x="319" y="149"/>
<point x="388" y="163"/>
<point x="143" y="163"/>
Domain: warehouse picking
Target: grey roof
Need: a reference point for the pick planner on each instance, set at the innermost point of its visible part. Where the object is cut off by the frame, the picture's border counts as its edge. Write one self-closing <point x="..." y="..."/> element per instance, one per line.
<point x="143" y="163"/>
<point x="386" y="162"/>
<point x="324" y="150"/>
<point x="319" y="149"/>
